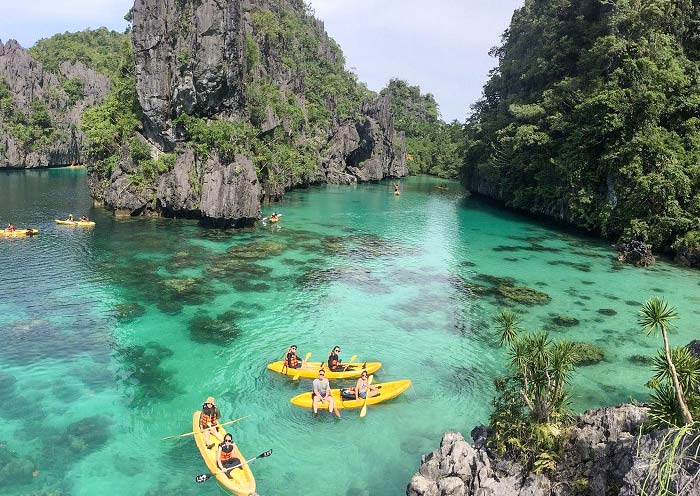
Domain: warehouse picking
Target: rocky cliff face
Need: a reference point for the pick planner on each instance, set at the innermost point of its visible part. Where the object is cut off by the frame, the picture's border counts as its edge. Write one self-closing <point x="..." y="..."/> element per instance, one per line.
<point x="28" y="136"/>
<point x="605" y="455"/>
<point x="237" y="62"/>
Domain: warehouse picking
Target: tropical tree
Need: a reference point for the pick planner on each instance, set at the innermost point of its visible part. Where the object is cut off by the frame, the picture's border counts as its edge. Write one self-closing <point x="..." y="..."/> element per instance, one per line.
<point x="532" y="401"/>
<point x="657" y="315"/>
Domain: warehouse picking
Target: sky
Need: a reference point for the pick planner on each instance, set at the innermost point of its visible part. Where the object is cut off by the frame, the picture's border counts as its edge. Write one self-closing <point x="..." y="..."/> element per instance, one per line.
<point x="440" y="45"/>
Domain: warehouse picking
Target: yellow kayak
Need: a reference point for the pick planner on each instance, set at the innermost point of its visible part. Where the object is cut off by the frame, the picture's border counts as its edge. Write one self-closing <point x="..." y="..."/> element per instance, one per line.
<point x="18" y="232"/>
<point x="387" y="391"/>
<point x="242" y="482"/>
<point x="310" y="370"/>
<point x="81" y="223"/>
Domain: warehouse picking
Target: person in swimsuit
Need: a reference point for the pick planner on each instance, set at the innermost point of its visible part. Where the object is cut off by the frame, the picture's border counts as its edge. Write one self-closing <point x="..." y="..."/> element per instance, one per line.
<point x="362" y="385"/>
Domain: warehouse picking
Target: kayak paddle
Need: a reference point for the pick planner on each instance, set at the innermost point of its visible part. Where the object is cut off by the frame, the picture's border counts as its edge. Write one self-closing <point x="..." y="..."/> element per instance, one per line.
<point x="205" y="477"/>
<point x="363" y="412"/>
<point x="352" y="359"/>
<point x="197" y="432"/>
<point x="303" y="362"/>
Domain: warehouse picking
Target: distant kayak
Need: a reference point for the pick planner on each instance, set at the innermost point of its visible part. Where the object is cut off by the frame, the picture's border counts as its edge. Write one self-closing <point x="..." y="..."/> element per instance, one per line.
<point x="387" y="391"/>
<point x="18" y="232"/>
<point x="81" y="223"/>
<point x="242" y="482"/>
<point x="311" y="370"/>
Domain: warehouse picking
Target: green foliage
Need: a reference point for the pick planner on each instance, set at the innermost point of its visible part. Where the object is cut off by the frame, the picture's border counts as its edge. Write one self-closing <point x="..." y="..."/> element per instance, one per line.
<point x="108" y="126"/>
<point x="675" y="385"/>
<point x="531" y="403"/>
<point x="96" y="48"/>
<point x="74" y="88"/>
<point x="252" y="54"/>
<point x="266" y="23"/>
<point x="148" y="169"/>
<point x="226" y="138"/>
<point x="432" y="146"/>
<point x="593" y="111"/>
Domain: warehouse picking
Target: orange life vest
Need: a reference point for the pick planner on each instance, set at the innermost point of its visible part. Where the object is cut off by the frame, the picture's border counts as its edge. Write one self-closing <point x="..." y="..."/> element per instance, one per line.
<point x="292" y="360"/>
<point x="209" y="416"/>
<point x="226" y="452"/>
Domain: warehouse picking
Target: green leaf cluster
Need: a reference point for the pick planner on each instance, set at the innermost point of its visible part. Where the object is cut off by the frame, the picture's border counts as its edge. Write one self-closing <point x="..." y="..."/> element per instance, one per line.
<point x="33" y="130"/>
<point x="109" y="125"/>
<point x="432" y="146"/>
<point x="531" y="403"/>
<point x="96" y="48"/>
<point x="592" y="114"/>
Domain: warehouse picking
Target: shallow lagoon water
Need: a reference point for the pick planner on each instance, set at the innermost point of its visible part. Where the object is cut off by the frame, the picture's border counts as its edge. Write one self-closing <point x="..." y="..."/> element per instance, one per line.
<point x="111" y="337"/>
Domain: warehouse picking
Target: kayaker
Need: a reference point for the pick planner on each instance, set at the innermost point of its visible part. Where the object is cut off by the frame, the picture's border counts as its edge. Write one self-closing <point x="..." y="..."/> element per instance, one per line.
<point x="292" y="361"/>
<point x="361" y="387"/>
<point x="274" y="217"/>
<point x="209" y="420"/>
<point x="225" y="459"/>
<point x="10" y="228"/>
<point x="71" y="218"/>
<point x="397" y="191"/>
<point x="84" y="218"/>
<point x="322" y="393"/>
<point x="334" y="362"/>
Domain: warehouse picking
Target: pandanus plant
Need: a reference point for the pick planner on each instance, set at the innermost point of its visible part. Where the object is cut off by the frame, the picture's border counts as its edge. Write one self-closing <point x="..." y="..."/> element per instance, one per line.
<point x="657" y="315"/>
<point x="541" y="367"/>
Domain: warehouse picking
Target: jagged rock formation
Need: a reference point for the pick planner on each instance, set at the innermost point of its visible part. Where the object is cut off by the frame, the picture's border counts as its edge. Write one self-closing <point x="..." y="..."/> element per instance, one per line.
<point x="233" y="62"/>
<point x="25" y="139"/>
<point x="604" y="456"/>
<point x="636" y="252"/>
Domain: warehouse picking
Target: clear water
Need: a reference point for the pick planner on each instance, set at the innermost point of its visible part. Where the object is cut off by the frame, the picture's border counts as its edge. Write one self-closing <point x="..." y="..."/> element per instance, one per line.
<point x="105" y="347"/>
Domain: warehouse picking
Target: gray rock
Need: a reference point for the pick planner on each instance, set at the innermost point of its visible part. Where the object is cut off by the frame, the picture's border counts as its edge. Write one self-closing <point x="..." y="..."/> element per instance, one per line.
<point x="28" y="82"/>
<point x="604" y="455"/>
<point x="230" y="193"/>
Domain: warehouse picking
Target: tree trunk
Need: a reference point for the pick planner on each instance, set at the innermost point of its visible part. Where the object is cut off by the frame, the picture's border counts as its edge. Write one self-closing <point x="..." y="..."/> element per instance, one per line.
<point x="687" y="417"/>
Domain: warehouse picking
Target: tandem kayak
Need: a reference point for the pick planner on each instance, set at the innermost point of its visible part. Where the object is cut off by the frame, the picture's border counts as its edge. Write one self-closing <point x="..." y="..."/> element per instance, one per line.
<point x="310" y="370"/>
<point x="18" y="232"/>
<point x="81" y="223"/>
<point x="242" y="482"/>
<point x="387" y="391"/>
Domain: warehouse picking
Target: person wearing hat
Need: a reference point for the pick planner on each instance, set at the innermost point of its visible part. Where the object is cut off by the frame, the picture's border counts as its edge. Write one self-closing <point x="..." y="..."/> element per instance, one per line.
<point x="71" y="218"/>
<point x="208" y="421"/>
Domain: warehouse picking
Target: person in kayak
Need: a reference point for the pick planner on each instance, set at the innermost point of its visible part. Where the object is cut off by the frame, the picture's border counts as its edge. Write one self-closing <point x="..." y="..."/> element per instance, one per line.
<point x="84" y="218"/>
<point x="334" y="362"/>
<point x="208" y="420"/>
<point x="397" y="191"/>
<point x="10" y="228"/>
<point x="292" y="361"/>
<point x="225" y="459"/>
<point x="362" y="386"/>
<point x="322" y="393"/>
<point x="274" y="217"/>
<point x="71" y="218"/>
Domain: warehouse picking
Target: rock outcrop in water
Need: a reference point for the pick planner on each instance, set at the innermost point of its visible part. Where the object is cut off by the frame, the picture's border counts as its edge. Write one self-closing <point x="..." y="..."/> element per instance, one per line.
<point x="39" y="120"/>
<point x="265" y="69"/>
<point x="636" y="253"/>
<point x="604" y="455"/>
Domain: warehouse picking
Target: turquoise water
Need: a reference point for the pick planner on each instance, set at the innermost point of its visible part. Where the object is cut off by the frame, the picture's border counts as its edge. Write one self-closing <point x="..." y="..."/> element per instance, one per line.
<point x="111" y="337"/>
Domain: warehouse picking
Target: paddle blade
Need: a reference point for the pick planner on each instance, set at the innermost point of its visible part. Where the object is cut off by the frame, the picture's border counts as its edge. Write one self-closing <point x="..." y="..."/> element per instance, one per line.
<point x="201" y="478"/>
<point x="265" y="454"/>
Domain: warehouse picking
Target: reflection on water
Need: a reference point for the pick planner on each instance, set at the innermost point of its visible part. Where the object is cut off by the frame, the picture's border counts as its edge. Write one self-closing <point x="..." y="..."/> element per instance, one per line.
<point x="112" y="336"/>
